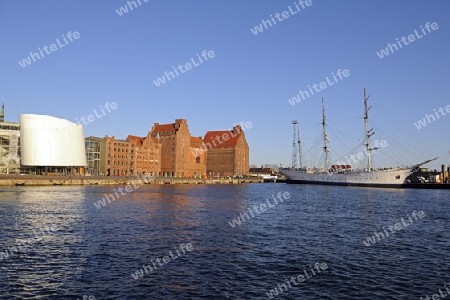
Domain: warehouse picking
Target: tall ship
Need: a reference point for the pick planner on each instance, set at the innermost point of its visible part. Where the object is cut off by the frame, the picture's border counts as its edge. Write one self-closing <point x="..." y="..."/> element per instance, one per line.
<point x="345" y="174"/>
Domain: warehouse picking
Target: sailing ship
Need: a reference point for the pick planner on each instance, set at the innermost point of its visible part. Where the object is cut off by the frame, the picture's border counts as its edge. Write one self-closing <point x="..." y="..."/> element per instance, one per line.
<point x="346" y="174"/>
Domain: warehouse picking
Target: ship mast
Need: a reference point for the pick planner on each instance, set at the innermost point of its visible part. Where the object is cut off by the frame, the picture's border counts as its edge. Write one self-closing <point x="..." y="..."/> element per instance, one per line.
<point x="325" y="137"/>
<point x="369" y="132"/>
<point x="294" y="145"/>
<point x="2" y="113"/>
<point x="299" y="148"/>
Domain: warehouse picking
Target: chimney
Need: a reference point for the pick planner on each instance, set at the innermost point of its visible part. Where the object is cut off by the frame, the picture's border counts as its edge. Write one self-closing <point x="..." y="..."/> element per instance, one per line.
<point x="237" y="129"/>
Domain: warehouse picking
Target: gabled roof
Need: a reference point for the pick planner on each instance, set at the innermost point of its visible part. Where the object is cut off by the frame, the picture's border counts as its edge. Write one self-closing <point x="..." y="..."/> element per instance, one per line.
<point x="135" y="139"/>
<point x="164" y="128"/>
<point x="212" y="137"/>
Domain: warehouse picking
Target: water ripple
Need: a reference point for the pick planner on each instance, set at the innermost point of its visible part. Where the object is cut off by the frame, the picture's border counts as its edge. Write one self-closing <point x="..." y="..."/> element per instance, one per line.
<point x="94" y="251"/>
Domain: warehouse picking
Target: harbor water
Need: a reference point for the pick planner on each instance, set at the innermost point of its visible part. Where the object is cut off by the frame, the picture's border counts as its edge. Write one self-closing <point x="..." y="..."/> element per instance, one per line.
<point x="248" y="241"/>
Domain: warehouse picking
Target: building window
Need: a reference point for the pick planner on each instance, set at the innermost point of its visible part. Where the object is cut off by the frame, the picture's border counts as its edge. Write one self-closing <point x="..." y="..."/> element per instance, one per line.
<point x="197" y="159"/>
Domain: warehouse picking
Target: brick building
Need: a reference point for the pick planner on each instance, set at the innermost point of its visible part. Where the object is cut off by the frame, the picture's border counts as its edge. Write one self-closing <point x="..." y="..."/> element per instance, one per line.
<point x="197" y="163"/>
<point x="227" y="152"/>
<point x="145" y="155"/>
<point x="170" y="150"/>
<point x="133" y="156"/>
<point x="176" y="157"/>
<point x="117" y="157"/>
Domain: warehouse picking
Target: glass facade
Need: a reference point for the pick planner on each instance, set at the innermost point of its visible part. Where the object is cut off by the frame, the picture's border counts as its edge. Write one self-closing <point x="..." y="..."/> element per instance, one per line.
<point x="93" y="155"/>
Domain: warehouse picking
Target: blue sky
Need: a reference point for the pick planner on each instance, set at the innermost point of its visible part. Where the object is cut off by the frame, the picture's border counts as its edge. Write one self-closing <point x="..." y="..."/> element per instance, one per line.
<point x="251" y="77"/>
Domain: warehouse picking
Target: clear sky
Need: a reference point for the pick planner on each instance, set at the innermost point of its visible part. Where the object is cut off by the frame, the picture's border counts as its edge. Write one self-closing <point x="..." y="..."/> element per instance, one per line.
<point x="250" y="77"/>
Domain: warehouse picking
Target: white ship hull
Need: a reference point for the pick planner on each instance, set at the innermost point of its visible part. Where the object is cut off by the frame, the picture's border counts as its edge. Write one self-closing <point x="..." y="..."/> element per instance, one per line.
<point x="377" y="178"/>
<point x="339" y="174"/>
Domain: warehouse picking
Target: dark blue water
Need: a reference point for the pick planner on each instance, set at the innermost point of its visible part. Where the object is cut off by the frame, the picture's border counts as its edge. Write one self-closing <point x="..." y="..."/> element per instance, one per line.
<point x="81" y="251"/>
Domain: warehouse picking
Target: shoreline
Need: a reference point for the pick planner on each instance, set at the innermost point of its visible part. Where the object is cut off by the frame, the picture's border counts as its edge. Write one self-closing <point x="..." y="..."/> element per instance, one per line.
<point x="71" y="180"/>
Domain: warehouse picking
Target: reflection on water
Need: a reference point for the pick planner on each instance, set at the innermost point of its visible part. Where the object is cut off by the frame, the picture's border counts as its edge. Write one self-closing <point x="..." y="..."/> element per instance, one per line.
<point x="94" y="251"/>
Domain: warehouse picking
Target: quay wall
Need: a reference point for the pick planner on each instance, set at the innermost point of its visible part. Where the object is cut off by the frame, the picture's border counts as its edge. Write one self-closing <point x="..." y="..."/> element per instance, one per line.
<point x="39" y="180"/>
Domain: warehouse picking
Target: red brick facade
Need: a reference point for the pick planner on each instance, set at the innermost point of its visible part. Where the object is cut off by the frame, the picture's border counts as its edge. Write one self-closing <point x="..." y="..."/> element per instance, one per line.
<point x="170" y="150"/>
<point x="135" y="156"/>
<point x="227" y="152"/>
<point x="197" y="163"/>
<point x="177" y="159"/>
<point x="145" y="155"/>
<point x="117" y="158"/>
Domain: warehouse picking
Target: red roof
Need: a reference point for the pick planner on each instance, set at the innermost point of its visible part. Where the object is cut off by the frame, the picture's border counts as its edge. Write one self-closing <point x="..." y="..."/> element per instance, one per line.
<point x="212" y="137"/>
<point x="135" y="139"/>
<point x="164" y="128"/>
<point x="196" y="141"/>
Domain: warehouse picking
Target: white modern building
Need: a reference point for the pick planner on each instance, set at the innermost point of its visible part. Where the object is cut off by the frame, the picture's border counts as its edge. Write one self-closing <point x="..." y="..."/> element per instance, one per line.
<point x="51" y="144"/>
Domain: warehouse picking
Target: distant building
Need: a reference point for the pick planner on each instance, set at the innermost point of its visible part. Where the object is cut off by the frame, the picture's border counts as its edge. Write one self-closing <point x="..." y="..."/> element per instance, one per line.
<point x="9" y="145"/>
<point x="95" y="155"/>
<point x="145" y="155"/>
<point x="51" y="145"/>
<point x="136" y="154"/>
<point x="117" y="157"/>
<point x="131" y="157"/>
<point x="197" y="162"/>
<point x="169" y="150"/>
<point x="176" y="158"/>
<point x="227" y="152"/>
<point x="262" y="172"/>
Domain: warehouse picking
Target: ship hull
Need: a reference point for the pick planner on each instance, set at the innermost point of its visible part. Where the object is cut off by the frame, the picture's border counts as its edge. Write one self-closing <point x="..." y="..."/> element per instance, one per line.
<point x="389" y="178"/>
<point x="380" y="185"/>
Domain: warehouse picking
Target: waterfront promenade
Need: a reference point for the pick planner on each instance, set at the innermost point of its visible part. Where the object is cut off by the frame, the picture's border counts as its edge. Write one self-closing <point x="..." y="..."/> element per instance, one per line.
<point x="42" y="180"/>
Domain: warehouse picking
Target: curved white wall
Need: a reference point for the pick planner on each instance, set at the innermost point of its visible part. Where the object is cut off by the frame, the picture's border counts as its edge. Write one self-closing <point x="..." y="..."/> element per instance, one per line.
<point x="50" y="141"/>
